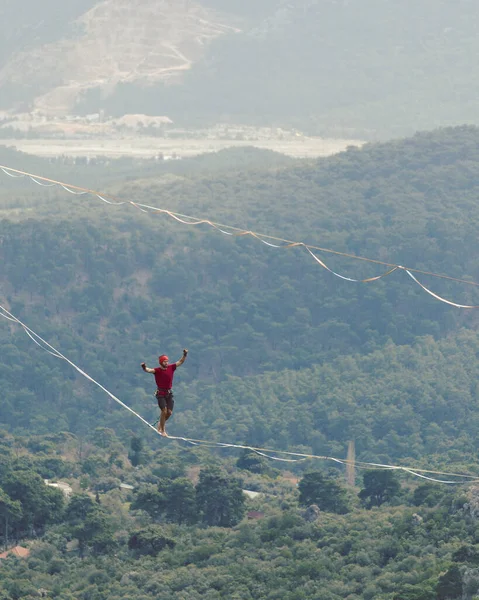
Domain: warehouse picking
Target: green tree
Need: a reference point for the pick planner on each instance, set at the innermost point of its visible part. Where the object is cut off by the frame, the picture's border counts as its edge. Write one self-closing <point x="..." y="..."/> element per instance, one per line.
<point x="250" y="461"/>
<point x="316" y="488"/>
<point x="180" y="505"/>
<point x="104" y="437"/>
<point x="94" y="466"/>
<point x="52" y="466"/>
<point x="136" y="454"/>
<point x="40" y="504"/>
<point x="466" y="554"/>
<point x="150" y="499"/>
<point x="427" y="494"/>
<point x="449" y="586"/>
<point x="219" y="499"/>
<point x="380" y="486"/>
<point x="5" y="462"/>
<point x="95" y="531"/>
<point x="78" y="508"/>
<point x="150" y="540"/>
<point x="10" y="515"/>
<point x="423" y="591"/>
<point x="21" y="589"/>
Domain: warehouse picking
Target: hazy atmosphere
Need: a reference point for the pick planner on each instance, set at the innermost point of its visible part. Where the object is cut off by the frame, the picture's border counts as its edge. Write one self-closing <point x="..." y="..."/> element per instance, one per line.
<point x="239" y="300"/>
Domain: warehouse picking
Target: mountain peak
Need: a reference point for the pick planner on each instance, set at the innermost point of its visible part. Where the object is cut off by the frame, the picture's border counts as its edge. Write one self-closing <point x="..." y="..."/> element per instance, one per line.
<point x="116" y="41"/>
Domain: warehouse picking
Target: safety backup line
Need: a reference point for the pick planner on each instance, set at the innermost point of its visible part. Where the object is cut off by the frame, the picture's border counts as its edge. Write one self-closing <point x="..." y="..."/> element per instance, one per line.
<point x="266" y="452"/>
<point x="236" y="232"/>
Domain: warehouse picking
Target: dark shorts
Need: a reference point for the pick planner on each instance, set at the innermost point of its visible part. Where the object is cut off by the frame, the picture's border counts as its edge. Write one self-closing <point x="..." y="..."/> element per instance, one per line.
<point x="165" y="400"/>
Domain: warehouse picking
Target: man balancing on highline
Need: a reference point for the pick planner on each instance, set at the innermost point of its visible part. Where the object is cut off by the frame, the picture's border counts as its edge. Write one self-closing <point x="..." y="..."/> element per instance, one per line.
<point x="164" y="381"/>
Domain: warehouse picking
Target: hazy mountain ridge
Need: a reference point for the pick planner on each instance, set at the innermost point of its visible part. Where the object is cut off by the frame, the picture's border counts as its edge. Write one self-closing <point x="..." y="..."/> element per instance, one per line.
<point x="372" y="68"/>
<point x="112" y="42"/>
<point x="349" y="64"/>
<point x="27" y="23"/>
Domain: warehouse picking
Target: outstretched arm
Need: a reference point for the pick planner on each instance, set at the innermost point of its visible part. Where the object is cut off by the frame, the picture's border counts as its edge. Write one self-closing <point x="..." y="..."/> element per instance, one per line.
<point x="147" y="369"/>
<point x="183" y="358"/>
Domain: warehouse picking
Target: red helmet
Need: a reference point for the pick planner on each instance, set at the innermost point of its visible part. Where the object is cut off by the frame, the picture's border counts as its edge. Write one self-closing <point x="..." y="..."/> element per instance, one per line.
<point x="162" y="358"/>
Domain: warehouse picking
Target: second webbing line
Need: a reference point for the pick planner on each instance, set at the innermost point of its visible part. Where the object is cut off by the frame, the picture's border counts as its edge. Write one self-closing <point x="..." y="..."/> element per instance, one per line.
<point x="237" y="232"/>
<point x="266" y="452"/>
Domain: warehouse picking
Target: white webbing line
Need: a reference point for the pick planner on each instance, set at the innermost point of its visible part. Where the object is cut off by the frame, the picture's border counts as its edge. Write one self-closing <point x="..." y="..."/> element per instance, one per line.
<point x="262" y="451"/>
<point x="72" y="191"/>
<point x="9" y="318"/>
<point x="177" y="217"/>
<point x="108" y="201"/>
<point x="368" y="280"/>
<point x="429" y="478"/>
<point x="54" y="352"/>
<point x="360" y="465"/>
<point x="193" y="221"/>
<point x="433" y="294"/>
<point x="41" y="183"/>
<point x="11" y="174"/>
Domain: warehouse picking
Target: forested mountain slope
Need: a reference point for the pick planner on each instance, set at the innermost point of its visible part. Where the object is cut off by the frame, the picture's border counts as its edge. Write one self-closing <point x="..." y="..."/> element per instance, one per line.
<point x="282" y="355"/>
<point x="112" y="287"/>
<point x="181" y="528"/>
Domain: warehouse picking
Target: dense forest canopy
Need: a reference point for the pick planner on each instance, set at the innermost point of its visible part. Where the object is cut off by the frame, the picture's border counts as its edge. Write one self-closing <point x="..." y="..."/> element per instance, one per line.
<point x="112" y="287"/>
<point x="176" y="526"/>
<point x="282" y="355"/>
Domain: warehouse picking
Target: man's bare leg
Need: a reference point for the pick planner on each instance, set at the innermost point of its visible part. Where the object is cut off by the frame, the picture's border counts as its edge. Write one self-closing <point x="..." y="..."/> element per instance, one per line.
<point x="161" y="424"/>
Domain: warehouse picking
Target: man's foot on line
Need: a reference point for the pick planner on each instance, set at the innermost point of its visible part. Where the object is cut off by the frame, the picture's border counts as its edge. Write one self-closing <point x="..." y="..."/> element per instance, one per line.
<point x="162" y="432"/>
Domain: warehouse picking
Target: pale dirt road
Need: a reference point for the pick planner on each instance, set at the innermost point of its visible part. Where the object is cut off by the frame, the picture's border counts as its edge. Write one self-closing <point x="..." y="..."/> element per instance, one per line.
<point x="143" y="147"/>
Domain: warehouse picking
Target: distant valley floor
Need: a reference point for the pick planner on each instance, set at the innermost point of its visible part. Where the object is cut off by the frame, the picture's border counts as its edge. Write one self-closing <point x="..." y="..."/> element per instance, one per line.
<point x="150" y="147"/>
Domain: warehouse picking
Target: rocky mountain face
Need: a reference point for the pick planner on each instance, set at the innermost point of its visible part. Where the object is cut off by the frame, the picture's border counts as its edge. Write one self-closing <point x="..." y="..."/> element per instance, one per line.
<point x="353" y="67"/>
<point x="101" y="44"/>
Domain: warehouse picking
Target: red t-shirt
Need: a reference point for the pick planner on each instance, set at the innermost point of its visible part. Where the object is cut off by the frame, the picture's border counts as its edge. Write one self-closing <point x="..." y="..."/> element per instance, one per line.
<point x="164" y="378"/>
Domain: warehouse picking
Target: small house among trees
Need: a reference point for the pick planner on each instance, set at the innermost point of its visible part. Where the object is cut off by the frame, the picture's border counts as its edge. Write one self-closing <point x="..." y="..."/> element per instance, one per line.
<point x="19" y="551"/>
